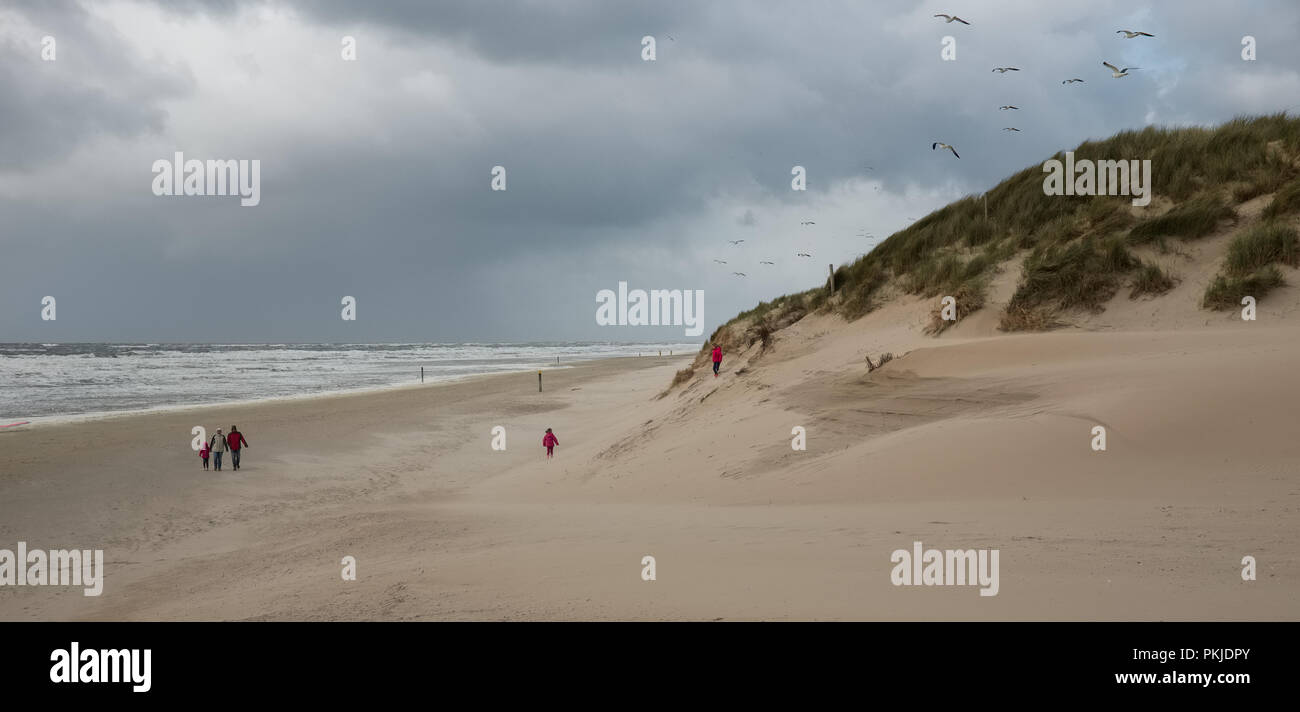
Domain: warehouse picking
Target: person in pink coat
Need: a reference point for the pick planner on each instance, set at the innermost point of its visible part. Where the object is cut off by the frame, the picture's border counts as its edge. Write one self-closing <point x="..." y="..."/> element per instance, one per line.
<point x="549" y="441"/>
<point x="717" y="359"/>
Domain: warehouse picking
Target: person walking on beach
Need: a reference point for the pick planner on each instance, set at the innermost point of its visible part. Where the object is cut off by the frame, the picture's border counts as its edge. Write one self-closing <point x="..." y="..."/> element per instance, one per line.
<point x="217" y="445"/>
<point x="204" y="454"/>
<point x="717" y="359"/>
<point x="235" y="440"/>
<point x="549" y="441"/>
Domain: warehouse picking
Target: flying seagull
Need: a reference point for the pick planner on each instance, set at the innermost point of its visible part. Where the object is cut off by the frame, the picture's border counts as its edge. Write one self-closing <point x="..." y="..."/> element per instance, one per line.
<point x="1130" y="34"/>
<point x="807" y="222"/>
<point x="765" y="262"/>
<point x="735" y="242"/>
<point x="802" y="254"/>
<point x="1010" y="128"/>
<point x="1072" y="81"/>
<point x="741" y="274"/>
<point x="937" y="145"/>
<point x="952" y="18"/>
<point x="1117" y="72"/>
<point x="1008" y="106"/>
<point x="721" y="262"/>
<point x="1004" y="70"/>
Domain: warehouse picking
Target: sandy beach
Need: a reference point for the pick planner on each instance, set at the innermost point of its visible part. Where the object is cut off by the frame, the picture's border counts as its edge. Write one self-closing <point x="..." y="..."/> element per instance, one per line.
<point x="973" y="440"/>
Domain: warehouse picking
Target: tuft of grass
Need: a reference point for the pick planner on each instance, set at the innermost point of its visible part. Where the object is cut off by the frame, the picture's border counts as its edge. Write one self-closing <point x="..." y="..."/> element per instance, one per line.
<point x="1150" y="279"/>
<point x="682" y="376"/>
<point x="763" y="333"/>
<point x="1083" y="273"/>
<point x="1021" y="318"/>
<point x="1197" y="217"/>
<point x="1286" y="200"/>
<point x="884" y="359"/>
<point x="969" y="295"/>
<point x="1249" y="268"/>
<point x="679" y="378"/>
<point x="1226" y="291"/>
<point x="1262" y="245"/>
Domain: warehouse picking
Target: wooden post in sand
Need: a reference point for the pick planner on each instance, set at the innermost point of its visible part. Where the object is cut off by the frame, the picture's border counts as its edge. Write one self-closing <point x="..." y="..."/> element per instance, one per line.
<point x="830" y="282"/>
<point x="422" y="374"/>
<point x="539" y="381"/>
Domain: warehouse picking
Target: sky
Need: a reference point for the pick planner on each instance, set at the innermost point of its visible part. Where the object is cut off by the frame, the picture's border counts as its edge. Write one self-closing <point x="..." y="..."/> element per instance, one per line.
<point x="376" y="173"/>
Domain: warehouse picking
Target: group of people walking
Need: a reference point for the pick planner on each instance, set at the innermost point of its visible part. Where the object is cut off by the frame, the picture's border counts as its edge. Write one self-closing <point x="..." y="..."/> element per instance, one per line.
<point x="219" y="444"/>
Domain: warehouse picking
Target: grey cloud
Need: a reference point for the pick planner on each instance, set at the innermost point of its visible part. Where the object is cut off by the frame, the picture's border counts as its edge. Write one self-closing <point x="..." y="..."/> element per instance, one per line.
<point x="614" y="165"/>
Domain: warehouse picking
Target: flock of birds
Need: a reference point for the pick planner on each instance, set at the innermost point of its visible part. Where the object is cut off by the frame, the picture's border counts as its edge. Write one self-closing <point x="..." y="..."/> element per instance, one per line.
<point x="737" y="243"/>
<point x="1116" y="72"/>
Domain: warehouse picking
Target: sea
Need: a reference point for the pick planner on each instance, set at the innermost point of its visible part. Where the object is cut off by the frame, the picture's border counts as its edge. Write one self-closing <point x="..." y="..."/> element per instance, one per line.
<point x="54" y="381"/>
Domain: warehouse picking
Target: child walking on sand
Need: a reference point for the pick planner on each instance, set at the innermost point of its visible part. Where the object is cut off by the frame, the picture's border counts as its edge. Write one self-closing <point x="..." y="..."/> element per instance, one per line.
<point x="549" y="441"/>
<point x="204" y="454"/>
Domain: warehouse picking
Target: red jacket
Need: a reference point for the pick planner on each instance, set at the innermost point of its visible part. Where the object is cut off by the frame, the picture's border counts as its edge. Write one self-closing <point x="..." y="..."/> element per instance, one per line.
<point x="717" y="354"/>
<point x="550" y="440"/>
<point x="235" y="440"/>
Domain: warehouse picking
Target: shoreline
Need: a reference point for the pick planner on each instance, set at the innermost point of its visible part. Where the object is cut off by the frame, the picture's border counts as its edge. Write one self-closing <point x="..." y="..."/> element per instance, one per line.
<point x="46" y="421"/>
<point x="145" y="500"/>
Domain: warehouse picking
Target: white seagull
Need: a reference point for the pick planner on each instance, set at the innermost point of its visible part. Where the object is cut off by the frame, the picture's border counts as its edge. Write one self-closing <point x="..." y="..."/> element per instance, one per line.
<point x="807" y="222"/>
<point x="741" y="274"/>
<point x="802" y="254"/>
<point x="721" y="262"/>
<point x="1117" y="72"/>
<point x="765" y="262"/>
<point x="1008" y="106"/>
<point x="1072" y="81"/>
<point x="952" y="18"/>
<point x="1010" y="128"/>
<point x="735" y="242"/>
<point x="1130" y="34"/>
<point x="937" y="145"/>
<point x="1004" y="70"/>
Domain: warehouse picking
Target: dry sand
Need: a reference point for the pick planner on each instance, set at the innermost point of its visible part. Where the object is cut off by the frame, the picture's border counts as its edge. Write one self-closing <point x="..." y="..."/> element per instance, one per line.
<point x="974" y="440"/>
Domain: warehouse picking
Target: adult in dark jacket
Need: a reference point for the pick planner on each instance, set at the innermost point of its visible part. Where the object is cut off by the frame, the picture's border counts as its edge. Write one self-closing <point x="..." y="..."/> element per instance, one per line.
<point x="235" y="440"/>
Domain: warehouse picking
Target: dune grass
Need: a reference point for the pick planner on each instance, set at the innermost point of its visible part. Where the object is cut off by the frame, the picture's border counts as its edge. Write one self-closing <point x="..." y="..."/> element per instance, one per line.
<point x="1083" y="274"/>
<point x="1197" y="217"/>
<point x="1287" y="200"/>
<point x="1250" y="266"/>
<point x="1078" y="257"/>
<point x="1226" y="292"/>
<point x="1262" y="245"/>
<point x="1150" y="280"/>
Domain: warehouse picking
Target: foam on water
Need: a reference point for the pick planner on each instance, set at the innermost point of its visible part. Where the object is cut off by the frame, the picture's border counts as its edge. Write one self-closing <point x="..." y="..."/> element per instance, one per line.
<point x="61" y="380"/>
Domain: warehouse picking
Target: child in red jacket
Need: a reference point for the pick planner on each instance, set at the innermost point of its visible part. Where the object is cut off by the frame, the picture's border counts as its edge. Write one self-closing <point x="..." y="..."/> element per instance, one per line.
<point x="549" y="441"/>
<point x="204" y="454"/>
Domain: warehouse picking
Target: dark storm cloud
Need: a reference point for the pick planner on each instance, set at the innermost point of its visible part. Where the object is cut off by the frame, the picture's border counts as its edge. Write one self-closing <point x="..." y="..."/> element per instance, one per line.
<point x="95" y="86"/>
<point x="617" y="168"/>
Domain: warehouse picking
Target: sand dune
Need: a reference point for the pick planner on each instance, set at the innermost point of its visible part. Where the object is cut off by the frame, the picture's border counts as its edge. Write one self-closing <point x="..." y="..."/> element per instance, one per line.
<point x="959" y="443"/>
<point x="972" y="440"/>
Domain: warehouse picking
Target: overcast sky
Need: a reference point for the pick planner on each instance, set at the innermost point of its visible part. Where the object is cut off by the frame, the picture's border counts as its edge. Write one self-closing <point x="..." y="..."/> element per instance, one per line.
<point x="376" y="173"/>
